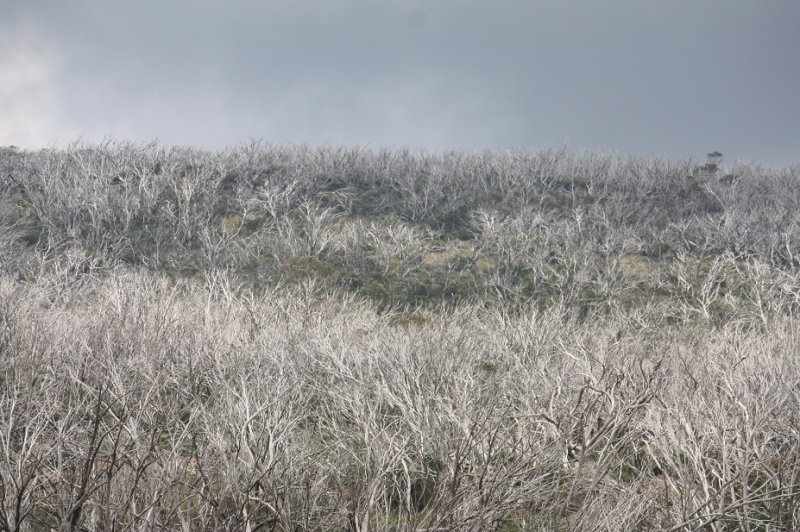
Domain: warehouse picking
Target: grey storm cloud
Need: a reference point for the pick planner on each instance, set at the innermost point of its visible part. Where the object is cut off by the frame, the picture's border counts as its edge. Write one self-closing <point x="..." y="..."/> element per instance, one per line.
<point x="664" y="77"/>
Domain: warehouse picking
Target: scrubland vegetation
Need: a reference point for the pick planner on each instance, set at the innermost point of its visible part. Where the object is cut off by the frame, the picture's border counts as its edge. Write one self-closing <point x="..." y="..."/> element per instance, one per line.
<point x="288" y="338"/>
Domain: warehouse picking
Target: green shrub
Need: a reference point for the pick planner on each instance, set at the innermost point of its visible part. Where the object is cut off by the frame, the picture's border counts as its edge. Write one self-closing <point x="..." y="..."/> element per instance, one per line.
<point x="455" y="222"/>
<point x="295" y="269"/>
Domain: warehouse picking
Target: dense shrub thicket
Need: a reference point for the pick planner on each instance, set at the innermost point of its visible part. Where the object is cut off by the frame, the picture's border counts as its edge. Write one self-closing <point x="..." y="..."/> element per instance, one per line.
<point x="409" y="229"/>
<point x="287" y="338"/>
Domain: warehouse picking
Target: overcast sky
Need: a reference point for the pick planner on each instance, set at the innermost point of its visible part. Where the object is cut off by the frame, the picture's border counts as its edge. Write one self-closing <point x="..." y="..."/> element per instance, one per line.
<point x="677" y="78"/>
